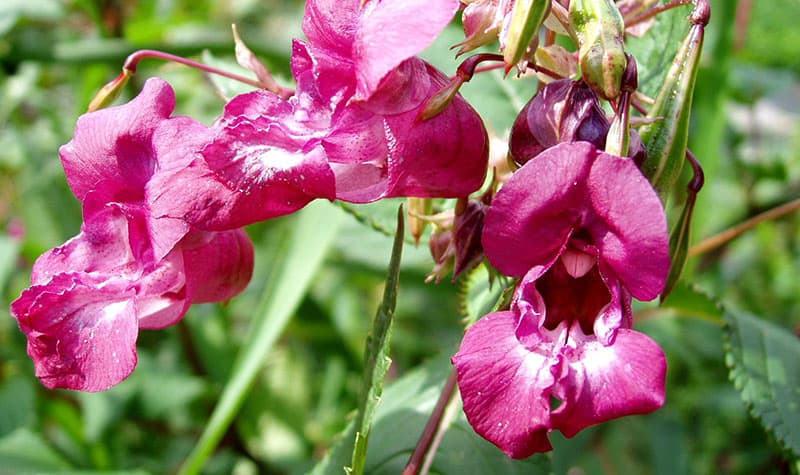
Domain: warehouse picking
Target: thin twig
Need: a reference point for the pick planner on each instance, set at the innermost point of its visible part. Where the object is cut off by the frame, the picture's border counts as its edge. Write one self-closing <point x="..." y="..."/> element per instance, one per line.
<point x="717" y="240"/>
<point x="655" y="11"/>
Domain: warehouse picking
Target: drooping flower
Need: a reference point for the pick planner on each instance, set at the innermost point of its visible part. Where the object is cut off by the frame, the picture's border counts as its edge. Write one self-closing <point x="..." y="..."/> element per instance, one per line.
<point x="585" y="231"/>
<point x="350" y="131"/>
<point x="374" y="88"/>
<point x="128" y="268"/>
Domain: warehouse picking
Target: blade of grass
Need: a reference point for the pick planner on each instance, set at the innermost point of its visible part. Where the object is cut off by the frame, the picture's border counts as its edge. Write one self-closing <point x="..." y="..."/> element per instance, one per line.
<point x="305" y="249"/>
<point x="376" y="359"/>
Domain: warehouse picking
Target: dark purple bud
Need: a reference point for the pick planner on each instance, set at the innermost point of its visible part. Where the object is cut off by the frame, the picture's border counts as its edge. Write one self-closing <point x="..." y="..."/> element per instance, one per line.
<point x="563" y="111"/>
<point x="443" y="252"/>
<point x="467" y="237"/>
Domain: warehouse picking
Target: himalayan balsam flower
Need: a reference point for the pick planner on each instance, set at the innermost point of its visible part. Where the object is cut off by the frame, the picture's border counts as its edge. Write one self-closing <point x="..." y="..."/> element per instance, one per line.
<point x="349" y="132"/>
<point x="585" y="231"/>
<point x="127" y="269"/>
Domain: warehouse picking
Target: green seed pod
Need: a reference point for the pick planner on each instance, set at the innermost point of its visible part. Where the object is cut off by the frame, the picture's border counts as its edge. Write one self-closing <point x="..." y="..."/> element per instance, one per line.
<point x="526" y="18"/>
<point x="600" y="32"/>
<point x="666" y="139"/>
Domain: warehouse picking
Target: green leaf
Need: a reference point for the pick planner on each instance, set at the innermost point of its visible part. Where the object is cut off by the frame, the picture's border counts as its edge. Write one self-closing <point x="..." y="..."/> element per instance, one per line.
<point x="26" y="452"/>
<point x="376" y="354"/>
<point x="479" y="294"/>
<point x="764" y="362"/>
<point x="655" y="51"/>
<point x="17" y="404"/>
<point x="305" y="246"/>
<point x="526" y="18"/>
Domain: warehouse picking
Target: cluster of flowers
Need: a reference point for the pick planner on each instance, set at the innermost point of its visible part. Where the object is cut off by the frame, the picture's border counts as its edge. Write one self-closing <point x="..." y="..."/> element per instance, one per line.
<point x="164" y="199"/>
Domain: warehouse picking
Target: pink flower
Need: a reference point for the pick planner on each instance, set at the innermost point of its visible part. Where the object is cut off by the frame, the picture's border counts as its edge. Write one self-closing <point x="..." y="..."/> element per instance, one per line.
<point x="128" y="268"/>
<point x="350" y="130"/>
<point x="90" y="296"/>
<point x="585" y="231"/>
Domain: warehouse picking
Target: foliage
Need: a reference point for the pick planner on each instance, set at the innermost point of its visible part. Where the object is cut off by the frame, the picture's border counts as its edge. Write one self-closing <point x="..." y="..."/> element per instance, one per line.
<point x="270" y="379"/>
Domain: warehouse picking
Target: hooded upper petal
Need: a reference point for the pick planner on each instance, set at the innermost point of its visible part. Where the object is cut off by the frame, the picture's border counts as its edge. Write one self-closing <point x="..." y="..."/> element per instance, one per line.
<point x="570" y="188"/>
<point x="111" y="150"/>
<point x="534" y="214"/>
<point x="631" y="229"/>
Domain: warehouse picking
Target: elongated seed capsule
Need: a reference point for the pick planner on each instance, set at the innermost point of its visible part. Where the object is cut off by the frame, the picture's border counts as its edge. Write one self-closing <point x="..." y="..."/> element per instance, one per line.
<point x="601" y="32"/>
<point x="526" y="18"/>
<point x="666" y="139"/>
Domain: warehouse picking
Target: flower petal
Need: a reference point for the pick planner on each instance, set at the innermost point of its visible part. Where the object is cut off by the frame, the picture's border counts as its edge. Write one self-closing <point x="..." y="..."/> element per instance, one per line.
<point x="332" y="24"/>
<point x="505" y="386"/>
<point x="631" y="233"/>
<point x="390" y="32"/>
<point x="531" y="218"/>
<point x="103" y="246"/>
<point x="81" y="331"/>
<point x="161" y="297"/>
<point x="112" y="146"/>
<point x="606" y="382"/>
<point x="220" y="267"/>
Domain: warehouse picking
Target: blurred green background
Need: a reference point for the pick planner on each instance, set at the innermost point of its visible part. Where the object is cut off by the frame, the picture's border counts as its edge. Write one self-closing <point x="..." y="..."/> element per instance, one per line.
<point x="55" y="55"/>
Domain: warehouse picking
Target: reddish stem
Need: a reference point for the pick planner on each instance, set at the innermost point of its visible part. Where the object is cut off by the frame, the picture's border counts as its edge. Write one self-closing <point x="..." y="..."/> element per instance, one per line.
<point x="431" y="428"/>
<point x="133" y="61"/>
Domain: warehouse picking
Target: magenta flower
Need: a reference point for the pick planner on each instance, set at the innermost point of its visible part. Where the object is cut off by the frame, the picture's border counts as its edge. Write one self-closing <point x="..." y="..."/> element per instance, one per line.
<point x="128" y="268"/>
<point x="585" y="231"/>
<point x="350" y="130"/>
<point x="90" y="297"/>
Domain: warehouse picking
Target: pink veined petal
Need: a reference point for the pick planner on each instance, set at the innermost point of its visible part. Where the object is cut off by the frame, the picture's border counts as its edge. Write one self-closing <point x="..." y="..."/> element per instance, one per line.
<point x="81" y="331"/>
<point x="505" y="386"/>
<point x="246" y="173"/>
<point x="161" y="297"/>
<point x="267" y="173"/>
<point x="220" y="267"/>
<point x="332" y="24"/>
<point x="607" y="382"/>
<point x="631" y="232"/>
<point x="444" y="157"/>
<point x="177" y="142"/>
<point x="531" y="218"/>
<point x="407" y="87"/>
<point x="112" y="146"/>
<point x="327" y="79"/>
<point x="102" y="246"/>
<point x="390" y="32"/>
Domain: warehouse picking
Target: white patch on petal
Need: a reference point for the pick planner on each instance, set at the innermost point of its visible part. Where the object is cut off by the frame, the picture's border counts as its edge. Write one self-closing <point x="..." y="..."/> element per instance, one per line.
<point x="262" y="163"/>
<point x="111" y="312"/>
